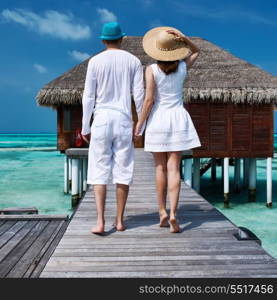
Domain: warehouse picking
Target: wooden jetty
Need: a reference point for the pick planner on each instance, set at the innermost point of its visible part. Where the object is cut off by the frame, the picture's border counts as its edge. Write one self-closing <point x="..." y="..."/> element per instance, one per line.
<point x="27" y="242"/>
<point x="206" y="247"/>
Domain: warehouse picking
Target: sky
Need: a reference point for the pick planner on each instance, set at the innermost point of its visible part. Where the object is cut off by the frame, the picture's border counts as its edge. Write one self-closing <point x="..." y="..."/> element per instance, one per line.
<point x="42" y="39"/>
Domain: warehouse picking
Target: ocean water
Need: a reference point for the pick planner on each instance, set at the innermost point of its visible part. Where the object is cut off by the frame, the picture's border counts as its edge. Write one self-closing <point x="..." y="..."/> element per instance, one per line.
<point x="31" y="173"/>
<point x="255" y="216"/>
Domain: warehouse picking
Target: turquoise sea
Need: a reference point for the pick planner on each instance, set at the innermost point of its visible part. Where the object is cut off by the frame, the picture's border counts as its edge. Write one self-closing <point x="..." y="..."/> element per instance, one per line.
<point x="253" y="215"/>
<point x="31" y="174"/>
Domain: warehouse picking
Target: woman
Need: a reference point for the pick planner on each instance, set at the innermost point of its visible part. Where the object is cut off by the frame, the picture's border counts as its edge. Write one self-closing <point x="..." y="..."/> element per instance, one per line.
<point x="169" y="128"/>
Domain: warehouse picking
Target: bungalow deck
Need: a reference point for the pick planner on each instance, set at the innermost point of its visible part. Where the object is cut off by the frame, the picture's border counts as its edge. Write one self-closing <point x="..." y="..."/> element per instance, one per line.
<point x="27" y="242"/>
<point x="206" y="247"/>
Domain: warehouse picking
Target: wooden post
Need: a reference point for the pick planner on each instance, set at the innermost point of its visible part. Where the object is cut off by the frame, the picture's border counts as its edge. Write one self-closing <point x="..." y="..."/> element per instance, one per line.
<point x="86" y="169"/>
<point x="196" y="174"/>
<point x="245" y="172"/>
<point x="213" y="169"/>
<point x="70" y="169"/>
<point x="252" y="180"/>
<point x="269" y="182"/>
<point x="70" y="173"/>
<point x="75" y="181"/>
<point x="85" y="162"/>
<point x="222" y="171"/>
<point x="66" y="175"/>
<point x="237" y="176"/>
<point x="80" y="188"/>
<point x="226" y="181"/>
<point x="188" y="171"/>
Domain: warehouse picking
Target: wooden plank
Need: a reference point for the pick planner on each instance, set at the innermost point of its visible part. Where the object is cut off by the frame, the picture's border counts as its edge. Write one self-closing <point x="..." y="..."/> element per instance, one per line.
<point x="88" y="215"/>
<point x="50" y="247"/>
<point x="62" y="252"/>
<point x="148" y="223"/>
<point x="17" y="252"/>
<point x="68" y="239"/>
<point x="152" y="218"/>
<point x="58" y="261"/>
<point x="178" y="246"/>
<point x="6" y="225"/>
<point x="87" y="267"/>
<point x="8" y="247"/>
<point x="10" y="233"/>
<point x="159" y="274"/>
<point x="112" y="235"/>
<point x="137" y="231"/>
<point x="33" y="217"/>
<point x="176" y="257"/>
<point x="30" y="260"/>
<point x="18" y="210"/>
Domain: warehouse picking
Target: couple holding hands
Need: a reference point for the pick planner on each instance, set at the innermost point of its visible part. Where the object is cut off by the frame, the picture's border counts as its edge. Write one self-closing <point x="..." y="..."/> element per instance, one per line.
<point x="113" y="77"/>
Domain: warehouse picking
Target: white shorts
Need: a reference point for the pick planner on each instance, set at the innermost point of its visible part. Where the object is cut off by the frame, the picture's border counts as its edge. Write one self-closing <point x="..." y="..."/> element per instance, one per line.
<point x="111" y="149"/>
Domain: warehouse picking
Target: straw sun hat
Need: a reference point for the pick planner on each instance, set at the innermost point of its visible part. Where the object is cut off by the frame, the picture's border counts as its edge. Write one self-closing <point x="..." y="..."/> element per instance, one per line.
<point x="161" y="45"/>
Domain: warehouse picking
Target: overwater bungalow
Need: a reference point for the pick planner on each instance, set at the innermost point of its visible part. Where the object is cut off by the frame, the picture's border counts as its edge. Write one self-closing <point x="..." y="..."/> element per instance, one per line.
<point x="231" y="103"/>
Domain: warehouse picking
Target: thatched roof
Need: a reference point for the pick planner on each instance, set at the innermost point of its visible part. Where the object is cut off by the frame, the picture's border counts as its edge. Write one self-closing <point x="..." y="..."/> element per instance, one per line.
<point x="217" y="76"/>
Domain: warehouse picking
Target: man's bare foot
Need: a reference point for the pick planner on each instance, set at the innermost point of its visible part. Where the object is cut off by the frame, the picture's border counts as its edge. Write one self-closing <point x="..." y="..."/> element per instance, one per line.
<point x="99" y="228"/>
<point x="164" y="220"/>
<point x="174" y="226"/>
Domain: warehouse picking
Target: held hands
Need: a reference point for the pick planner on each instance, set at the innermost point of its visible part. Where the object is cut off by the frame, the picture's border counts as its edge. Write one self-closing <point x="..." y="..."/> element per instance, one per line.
<point x="136" y="131"/>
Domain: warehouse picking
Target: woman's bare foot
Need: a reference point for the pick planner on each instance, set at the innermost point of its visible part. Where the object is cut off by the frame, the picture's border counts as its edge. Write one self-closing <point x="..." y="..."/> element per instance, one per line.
<point x="99" y="228"/>
<point x="164" y="220"/>
<point x="174" y="226"/>
<point x="119" y="225"/>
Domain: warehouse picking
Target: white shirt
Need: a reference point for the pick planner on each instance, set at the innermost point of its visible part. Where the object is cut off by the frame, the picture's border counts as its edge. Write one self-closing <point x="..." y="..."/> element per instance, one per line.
<point x="113" y="76"/>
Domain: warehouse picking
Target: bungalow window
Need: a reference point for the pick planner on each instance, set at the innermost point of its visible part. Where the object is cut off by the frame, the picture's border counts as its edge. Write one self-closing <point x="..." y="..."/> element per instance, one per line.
<point x="66" y="118"/>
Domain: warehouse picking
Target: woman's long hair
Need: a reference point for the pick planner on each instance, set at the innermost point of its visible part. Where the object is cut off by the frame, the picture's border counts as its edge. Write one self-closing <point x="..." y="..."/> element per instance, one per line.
<point x="168" y="66"/>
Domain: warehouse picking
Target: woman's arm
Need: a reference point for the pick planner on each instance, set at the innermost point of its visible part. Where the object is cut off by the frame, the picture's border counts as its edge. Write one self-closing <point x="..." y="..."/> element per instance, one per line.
<point x="148" y="100"/>
<point x="194" y="49"/>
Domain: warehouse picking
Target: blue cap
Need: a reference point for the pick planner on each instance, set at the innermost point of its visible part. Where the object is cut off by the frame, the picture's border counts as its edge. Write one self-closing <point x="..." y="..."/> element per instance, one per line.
<point x="111" y="31"/>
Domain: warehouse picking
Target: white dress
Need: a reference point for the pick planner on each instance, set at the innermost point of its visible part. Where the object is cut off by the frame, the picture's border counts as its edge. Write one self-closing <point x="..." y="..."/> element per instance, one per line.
<point x="169" y="126"/>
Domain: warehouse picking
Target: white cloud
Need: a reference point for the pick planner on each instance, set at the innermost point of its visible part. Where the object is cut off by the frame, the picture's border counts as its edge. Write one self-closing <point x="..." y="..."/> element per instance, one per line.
<point x="79" y="56"/>
<point x="41" y="69"/>
<point x="51" y="23"/>
<point x="106" y="15"/>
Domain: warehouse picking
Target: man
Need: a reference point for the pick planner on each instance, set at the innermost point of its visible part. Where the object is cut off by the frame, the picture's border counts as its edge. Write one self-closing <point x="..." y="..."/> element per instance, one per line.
<point x="113" y="76"/>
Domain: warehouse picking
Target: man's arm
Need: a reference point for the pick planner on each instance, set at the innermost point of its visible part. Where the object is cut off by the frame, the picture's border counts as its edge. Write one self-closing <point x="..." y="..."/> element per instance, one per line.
<point x="88" y="100"/>
<point x="138" y="91"/>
